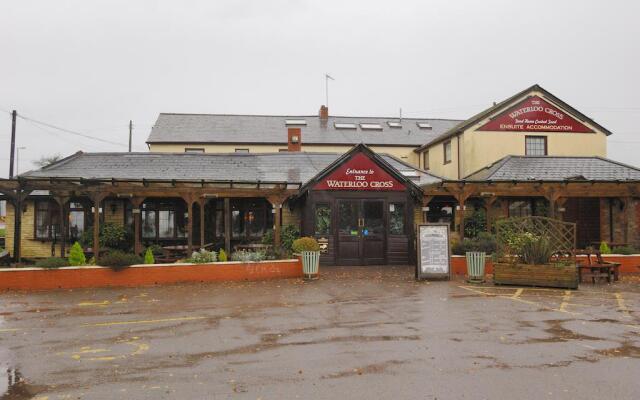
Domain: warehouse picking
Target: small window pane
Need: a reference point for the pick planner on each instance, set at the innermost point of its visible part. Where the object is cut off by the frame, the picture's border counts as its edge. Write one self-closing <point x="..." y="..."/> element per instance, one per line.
<point x="447" y="152"/>
<point x="536" y="146"/>
<point x="242" y="150"/>
<point x="348" y="218"/>
<point x="149" y="224"/>
<point x="520" y="208"/>
<point x="425" y="160"/>
<point x="396" y="218"/>
<point x="193" y="150"/>
<point x="323" y="219"/>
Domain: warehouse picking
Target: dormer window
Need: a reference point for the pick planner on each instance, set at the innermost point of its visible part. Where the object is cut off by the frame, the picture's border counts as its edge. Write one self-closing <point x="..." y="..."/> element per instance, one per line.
<point x="371" y="127"/>
<point x="295" y="122"/>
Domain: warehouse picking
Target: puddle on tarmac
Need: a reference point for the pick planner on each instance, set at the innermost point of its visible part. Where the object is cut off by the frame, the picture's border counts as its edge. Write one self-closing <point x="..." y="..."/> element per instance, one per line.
<point x="17" y="388"/>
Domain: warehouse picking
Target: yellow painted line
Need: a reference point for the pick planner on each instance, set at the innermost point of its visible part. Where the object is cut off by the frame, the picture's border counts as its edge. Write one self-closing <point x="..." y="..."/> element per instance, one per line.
<point x="517" y="293"/>
<point x="565" y="300"/>
<point x="94" y="303"/>
<point x="622" y="306"/>
<point x="516" y="299"/>
<point x="145" y="321"/>
<point x="9" y="330"/>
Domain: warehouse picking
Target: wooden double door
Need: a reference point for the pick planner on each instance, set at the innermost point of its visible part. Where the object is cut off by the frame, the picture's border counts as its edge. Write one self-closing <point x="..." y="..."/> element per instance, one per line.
<point x="361" y="231"/>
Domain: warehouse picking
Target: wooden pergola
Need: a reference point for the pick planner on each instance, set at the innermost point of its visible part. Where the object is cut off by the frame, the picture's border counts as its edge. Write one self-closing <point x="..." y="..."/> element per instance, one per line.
<point x="556" y="193"/>
<point x="62" y="190"/>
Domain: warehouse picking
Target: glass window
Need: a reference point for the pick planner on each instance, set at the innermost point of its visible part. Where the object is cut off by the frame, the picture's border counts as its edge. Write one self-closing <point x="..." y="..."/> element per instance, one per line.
<point x="536" y="145"/>
<point x="447" y="151"/>
<point x="323" y="220"/>
<point x="441" y="212"/>
<point x="149" y="224"/>
<point x="46" y="220"/>
<point x="166" y="224"/>
<point x="76" y="220"/>
<point x="396" y="218"/>
<point x="348" y="218"/>
<point x="425" y="160"/>
<point x="194" y="150"/>
<point x="242" y="150"/>
<point x="520" y="208"/>
<point x="373" y="217"/>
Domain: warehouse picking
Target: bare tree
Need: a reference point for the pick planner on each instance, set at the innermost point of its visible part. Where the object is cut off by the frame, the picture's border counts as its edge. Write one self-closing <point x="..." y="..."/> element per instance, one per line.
<point x="45" y="161"/>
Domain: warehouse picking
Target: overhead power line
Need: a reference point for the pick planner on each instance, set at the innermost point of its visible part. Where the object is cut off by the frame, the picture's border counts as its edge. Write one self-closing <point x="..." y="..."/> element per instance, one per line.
<point x="69" y="131"/>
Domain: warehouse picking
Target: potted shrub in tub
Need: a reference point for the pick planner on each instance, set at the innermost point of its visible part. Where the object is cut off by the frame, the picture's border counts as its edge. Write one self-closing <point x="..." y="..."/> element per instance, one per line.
<point x="309" y="248"/>
<point x="536" y="251"/>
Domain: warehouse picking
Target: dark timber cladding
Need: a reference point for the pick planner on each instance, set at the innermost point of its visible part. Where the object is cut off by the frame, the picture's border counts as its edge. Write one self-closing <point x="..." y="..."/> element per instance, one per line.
<point x="361" y="210"/>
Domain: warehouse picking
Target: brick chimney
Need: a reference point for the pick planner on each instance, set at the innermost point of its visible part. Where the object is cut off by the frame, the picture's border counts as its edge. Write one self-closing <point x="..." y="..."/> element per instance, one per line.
<point x="324" y="113"/>
<point x="294" y="142"/>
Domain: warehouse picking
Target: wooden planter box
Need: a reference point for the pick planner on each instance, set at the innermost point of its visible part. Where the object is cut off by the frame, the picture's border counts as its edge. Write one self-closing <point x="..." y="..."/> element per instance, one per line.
<point x="545" y="275"/>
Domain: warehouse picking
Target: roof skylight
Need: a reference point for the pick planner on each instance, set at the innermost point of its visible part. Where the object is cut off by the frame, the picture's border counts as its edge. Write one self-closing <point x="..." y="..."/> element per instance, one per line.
<point x="289" y="122"/>
<point x="424" y="125"/>
<point x="394" y="124"/>
<point x="339" y="125"/>
<point x="371" y="127"/>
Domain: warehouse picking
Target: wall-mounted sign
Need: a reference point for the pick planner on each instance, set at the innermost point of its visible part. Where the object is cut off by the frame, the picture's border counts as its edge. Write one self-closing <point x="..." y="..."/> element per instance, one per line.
<point x="359" y="173"/>
<point x="434" y="256"/>
<point x="535" y="114"/>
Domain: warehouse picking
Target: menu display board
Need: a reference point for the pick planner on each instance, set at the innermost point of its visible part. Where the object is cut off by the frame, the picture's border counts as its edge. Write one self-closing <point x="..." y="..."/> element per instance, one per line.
<point x="434" y="255"/>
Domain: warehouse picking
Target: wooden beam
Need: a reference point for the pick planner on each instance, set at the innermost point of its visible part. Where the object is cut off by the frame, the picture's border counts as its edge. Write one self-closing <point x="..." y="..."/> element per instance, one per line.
<point x="62" y="201"/>
<point x="227" y="225"/>
<point x="136" y="202"/>
<point x="97" y="199"/>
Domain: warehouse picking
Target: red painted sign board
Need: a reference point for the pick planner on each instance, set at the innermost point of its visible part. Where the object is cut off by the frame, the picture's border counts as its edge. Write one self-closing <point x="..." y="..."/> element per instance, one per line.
<point x="535" y="114"/>
<point x="360" y="173"/>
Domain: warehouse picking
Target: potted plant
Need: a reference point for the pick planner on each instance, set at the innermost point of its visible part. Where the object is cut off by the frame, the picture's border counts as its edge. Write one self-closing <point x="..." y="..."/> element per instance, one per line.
<point x="530" y="263"/>
<point x="309" y="248"/>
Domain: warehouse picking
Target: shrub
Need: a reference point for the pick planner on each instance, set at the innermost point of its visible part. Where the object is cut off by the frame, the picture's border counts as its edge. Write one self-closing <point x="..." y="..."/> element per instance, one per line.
<point x="248" y="256"/>
<point x="203" y="256"/>
<point x="222" y="256"/>
<point x="305" y="244"/>
<point x="118" y="260"/>
<point x="52" y="262"/>
<point x="111" y="236"/>
<point x="76" y="255"/>
<point x="3" y="232"/>
<point x="604" y="248"/>
<point x="483" y="242"/>
<point x="148" y="256"/>
<point x="624" y="250"/>
<point x="536" y="251"/>
<point x="475" y="223"/>
<point x="288" y="234"/>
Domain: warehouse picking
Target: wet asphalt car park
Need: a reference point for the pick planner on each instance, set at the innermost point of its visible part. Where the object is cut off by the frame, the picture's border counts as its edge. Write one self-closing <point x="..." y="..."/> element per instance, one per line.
<point x="356" y="333"/>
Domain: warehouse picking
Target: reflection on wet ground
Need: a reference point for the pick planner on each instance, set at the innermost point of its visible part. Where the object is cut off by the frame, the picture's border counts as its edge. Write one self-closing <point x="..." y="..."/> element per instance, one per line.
<point x="355" y="333"/>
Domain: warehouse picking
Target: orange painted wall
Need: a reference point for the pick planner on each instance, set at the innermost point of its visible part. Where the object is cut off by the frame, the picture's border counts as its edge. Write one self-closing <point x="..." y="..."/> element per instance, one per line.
<point x="88" y="277"/>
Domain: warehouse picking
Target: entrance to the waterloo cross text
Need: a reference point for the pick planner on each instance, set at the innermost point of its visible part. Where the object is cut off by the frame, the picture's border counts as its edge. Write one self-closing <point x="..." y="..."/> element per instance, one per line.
<point x="361" y="232"/>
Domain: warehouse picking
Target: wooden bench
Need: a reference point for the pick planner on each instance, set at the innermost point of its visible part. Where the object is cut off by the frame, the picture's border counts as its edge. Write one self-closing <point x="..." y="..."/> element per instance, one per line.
<point x="598" y="268"/>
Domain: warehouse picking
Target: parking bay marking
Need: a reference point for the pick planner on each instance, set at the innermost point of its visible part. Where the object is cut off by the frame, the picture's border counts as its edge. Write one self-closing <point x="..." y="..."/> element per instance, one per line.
<point x="144" y="321"/>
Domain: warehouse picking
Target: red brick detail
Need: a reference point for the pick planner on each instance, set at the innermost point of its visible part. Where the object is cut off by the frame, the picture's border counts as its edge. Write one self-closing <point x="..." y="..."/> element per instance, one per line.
<point x="89" y="277"/>
<point x="294" y="139"/>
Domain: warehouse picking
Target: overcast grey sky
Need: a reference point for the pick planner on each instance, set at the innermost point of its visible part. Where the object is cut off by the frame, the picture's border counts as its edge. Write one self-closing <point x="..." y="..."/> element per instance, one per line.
<point x="91" y="66"/>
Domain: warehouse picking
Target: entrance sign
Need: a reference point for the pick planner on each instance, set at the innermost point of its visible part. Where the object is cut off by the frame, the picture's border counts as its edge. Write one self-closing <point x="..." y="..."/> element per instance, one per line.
<point x="535" y="114"/>
<point x="360" y="173"/>
<point x="434" y="256"/>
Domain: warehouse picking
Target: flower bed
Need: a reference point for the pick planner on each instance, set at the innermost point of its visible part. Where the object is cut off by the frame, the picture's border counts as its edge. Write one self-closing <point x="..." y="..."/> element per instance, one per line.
<point x="544" y="275"/>
<point x="144" y="275"/>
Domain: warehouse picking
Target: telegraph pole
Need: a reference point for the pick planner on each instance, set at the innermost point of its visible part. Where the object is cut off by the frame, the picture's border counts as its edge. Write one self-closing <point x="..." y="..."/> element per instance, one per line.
<point x="130" y="133"/>
<point x="14" y="114"/>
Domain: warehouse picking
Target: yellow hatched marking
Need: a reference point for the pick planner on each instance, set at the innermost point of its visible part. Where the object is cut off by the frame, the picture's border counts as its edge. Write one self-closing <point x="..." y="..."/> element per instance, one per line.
<point x="565" y="301"/>
<point x="517" y="293"/>
<point x="514" y="298"/>
<point x="146" y="321"/>
<point x="622" y="306"/>
<point x="94" y="303"/>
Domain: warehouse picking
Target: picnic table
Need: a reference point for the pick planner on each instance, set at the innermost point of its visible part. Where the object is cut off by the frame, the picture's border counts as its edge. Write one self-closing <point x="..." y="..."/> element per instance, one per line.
<point x="598" y="268"/>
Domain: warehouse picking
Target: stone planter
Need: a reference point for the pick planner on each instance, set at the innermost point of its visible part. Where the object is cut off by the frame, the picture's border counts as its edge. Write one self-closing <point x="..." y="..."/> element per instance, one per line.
<point x="545" y="275"/>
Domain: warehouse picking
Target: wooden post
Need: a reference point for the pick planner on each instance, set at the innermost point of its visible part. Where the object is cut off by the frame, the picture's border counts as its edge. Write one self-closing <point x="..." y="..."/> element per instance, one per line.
<point x="97" y="199"/>
<point x="425" y="203"/>
<point x="202" y="203"/>
<point x="17" y="226"/>
<point x="560" y="202"/>
<point x="227" y="225"/>
<point x="628" y="202"/>
<point x="136" y="202"/>
<point x="277" y="226"/>
<point x="189" y="201"/>
<point x="62" y="204"/>
<point x="459" y="217"/>
<point x="489" y="205"/>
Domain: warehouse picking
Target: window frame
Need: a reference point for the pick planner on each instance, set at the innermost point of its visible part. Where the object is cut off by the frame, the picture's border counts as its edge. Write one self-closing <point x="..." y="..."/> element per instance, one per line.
<point x="158" y="206"/>
<point x="194" y="150"/>
<point x="544" y="138"/>
<point x="425" y="160"/>
<point x="326" y="205"/>
<point x="241" y="150"/>
<point x="444" y="150"/>
<point x="403" y="215"/>
<point x="52" y="212"/>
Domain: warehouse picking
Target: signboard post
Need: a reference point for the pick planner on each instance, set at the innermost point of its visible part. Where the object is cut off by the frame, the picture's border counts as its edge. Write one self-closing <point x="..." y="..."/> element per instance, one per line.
<point x="434" y="254"/>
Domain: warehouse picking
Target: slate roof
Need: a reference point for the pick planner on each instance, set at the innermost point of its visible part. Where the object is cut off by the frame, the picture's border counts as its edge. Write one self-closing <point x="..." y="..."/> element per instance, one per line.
<point x="463" y="125"/>
<point x="295" y="168"/>
<point x="271" y="129"/>
<point x="551" y="168"/>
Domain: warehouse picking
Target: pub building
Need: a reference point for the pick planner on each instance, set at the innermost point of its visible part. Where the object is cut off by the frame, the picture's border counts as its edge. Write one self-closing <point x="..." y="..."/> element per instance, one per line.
<point x="357" y="184"/>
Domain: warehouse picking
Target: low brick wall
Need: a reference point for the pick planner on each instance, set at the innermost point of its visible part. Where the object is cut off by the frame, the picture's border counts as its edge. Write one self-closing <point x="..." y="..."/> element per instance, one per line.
<point x="145" y="275"/>
<point x="628" y="264"/>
